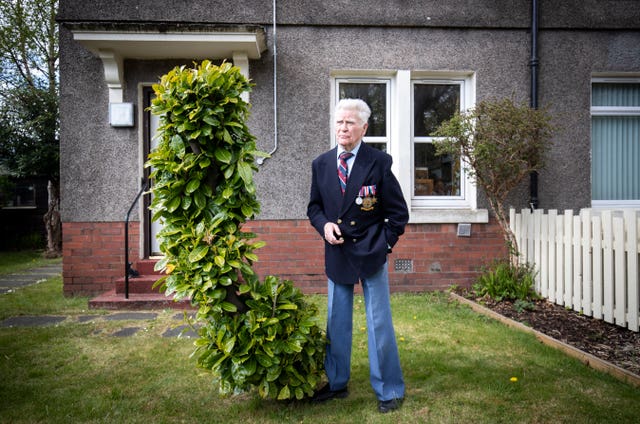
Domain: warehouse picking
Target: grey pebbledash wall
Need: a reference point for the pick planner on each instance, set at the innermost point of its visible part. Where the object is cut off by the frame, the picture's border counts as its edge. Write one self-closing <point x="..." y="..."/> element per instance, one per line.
<point x="100" y="165"/>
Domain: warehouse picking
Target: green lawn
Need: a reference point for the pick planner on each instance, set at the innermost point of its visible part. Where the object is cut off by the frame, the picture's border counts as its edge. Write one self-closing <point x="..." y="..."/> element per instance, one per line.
<point x="458" y="367"/>
<point x="17" y="261"/>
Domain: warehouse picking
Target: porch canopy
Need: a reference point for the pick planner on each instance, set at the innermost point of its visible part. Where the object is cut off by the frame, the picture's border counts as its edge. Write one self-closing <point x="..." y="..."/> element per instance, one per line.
<point x="113" y="45"/>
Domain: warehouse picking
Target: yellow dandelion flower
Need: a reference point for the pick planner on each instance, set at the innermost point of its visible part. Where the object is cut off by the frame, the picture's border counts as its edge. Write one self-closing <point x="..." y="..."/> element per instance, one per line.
<point x="513" y="379"/>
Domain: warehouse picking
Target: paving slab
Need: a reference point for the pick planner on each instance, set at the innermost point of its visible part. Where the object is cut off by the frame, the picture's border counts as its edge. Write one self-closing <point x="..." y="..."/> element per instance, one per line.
<point x="180" y="331"/>
<point x="123" y="316"/>
<point x="126" y="332"/>
<point x="32" y="321"/>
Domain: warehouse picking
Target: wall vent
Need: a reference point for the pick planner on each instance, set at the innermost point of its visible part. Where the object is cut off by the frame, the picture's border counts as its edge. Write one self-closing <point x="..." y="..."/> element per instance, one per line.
<point x="403" y="265"/>
<point x="464" y="230"/>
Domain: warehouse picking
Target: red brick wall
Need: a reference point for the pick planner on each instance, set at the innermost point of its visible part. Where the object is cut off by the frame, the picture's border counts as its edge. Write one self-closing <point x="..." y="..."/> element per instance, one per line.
<point x="440" y="258"/>
<point x="94" y="254"/>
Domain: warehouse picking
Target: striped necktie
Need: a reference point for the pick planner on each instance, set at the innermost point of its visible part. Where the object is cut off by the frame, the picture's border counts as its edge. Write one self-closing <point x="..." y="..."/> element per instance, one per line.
<point x="343" y="170"/>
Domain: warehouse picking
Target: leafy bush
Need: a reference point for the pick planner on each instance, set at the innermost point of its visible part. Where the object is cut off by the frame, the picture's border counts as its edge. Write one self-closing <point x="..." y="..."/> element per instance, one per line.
<point x="506" y="281"/>
<point x="254" y="334"/>
<point x="500" y="143"/>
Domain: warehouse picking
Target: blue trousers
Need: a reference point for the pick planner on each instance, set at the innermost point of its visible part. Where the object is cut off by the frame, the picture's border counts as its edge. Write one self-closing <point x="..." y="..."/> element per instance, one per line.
<point x="385" y="373"/>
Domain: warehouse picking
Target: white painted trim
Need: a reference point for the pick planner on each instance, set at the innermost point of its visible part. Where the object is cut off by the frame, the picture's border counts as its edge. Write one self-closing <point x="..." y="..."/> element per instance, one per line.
<point x="448" y="216"/>
<point x="173" y="45"/>
<point x="113" y="74"/>
<point x="241" y="60"/>
<point x="113" y="47"/>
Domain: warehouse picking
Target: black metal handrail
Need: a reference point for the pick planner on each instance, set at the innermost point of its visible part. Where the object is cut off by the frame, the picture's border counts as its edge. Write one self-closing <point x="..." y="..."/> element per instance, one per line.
<point x="127" y="264"/>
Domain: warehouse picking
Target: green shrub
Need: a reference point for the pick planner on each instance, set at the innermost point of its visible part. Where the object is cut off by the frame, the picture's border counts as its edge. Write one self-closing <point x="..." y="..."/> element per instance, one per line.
<point x="253" y="334"/>
<point x="505" y="281"/>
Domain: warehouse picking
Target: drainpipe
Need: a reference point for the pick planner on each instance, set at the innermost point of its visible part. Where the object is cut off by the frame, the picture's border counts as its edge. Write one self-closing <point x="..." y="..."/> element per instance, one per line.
<point x="533" y="63"/>
<point x="261" y="160"/>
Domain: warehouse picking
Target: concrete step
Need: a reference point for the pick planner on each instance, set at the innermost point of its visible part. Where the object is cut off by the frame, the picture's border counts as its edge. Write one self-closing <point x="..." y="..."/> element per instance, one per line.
<point x="139" y="284"/>
<point x="137" y="301"/>
<point x="145" y="266"/>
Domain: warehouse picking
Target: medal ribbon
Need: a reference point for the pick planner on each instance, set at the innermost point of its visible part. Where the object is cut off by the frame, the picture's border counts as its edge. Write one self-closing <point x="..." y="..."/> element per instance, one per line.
<point x="366" y="191"/>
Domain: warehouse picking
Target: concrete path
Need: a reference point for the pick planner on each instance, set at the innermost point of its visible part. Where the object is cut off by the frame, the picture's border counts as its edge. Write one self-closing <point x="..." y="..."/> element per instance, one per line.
<point x="10" y="282"/>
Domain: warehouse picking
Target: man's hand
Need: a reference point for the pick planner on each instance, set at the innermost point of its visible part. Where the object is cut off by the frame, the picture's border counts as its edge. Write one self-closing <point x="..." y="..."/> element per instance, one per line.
<point x="332" y="233"/>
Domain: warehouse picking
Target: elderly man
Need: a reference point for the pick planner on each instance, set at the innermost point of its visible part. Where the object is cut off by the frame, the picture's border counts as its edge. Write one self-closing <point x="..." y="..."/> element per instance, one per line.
<point x="357" y="206"/>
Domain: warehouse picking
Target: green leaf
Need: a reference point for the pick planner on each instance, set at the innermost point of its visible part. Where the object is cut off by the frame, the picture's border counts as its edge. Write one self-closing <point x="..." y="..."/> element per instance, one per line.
<point x="247" y="210"/>
<point x="173" y="204"/>
<point x="251" y="256"/>
<point x="219" y="260"/>
<point x="264" y="360"/>
<point x="192" y="186"/>
<point x="177" y="145"/>
<point x="200" y="199"/>
<point x="223" y="155"/>
<point x="198" y="253"/>
<point x="229" y="307"/>
<point x="284" y="393"/>
<point x="227" y="193"/>
<point x="288" y="306"/>
<point x="186" y="202"/>
<point x="229" y="344"/>
<point x="245" y="171"/>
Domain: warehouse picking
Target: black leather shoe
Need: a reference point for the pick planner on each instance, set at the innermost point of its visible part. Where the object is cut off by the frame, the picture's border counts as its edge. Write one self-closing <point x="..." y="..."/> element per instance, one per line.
<point x="385" y="406"/>
<point x="326" y="394"/>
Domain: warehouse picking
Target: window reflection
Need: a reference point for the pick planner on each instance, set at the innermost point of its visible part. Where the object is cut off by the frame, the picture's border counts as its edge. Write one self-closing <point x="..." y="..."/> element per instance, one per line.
<point x="375" y="95"/>
<point x="435" y="175"/>
<point x="433" y="104"/>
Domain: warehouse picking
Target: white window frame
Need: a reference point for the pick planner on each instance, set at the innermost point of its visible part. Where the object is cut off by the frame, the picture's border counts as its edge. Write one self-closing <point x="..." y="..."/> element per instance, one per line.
<point x="614" y="111"/>
<point x="386" y="139"/>
<point x="422" y="209"/>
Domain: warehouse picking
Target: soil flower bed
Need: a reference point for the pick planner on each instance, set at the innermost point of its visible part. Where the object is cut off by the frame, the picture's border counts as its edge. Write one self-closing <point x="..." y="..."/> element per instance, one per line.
<point x="614" y="344"/>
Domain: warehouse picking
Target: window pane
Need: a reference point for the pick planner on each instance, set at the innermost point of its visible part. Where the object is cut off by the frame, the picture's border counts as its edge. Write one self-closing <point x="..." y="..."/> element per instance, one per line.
<point x="379" y="146"/>
<point x="19" y="195"/>
<point x="435" y="175"/>
<point x="433" y="104"/>
<point x="606" y="94"/>
<point x="615" y="162"/>
<point x="375" y="94"/>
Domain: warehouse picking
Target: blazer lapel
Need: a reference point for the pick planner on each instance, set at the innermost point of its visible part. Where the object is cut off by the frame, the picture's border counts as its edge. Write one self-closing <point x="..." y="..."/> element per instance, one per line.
<point x="329" y="174"/>
<point x="360" y="169"/>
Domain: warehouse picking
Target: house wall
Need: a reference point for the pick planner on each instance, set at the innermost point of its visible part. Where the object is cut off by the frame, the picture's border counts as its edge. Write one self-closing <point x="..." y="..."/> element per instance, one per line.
<point x="101" y="165"/>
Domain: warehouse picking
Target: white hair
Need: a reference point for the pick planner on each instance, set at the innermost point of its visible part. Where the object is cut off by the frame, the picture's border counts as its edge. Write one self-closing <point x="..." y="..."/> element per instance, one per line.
<point x="357" y="105"/>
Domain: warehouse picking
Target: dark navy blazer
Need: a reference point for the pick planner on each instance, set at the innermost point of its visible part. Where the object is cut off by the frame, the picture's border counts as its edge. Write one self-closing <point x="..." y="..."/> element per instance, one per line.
<point x="369" y="228"/>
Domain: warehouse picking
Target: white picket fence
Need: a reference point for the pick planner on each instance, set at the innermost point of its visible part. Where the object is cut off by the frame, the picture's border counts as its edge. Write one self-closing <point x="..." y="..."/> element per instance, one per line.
<point x="588" y="262"/>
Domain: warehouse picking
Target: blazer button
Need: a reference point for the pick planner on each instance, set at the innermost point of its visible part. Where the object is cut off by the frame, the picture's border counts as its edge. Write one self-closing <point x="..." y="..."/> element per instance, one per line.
<point x="355" y="240"/>
<point x="339" y="221"/>
<point x="353" y="223"/>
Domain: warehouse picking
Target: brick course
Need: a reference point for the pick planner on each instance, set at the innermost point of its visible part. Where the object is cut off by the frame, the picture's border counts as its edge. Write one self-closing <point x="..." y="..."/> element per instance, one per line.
<point x="94" y="255"/>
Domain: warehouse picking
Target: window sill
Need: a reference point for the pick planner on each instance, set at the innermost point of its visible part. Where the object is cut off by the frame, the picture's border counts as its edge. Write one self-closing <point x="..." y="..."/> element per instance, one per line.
<point x="448" y="216"/>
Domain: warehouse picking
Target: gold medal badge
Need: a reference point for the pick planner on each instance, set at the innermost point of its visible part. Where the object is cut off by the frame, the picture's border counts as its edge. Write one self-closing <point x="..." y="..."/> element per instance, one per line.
<point x="368" y="202"/>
